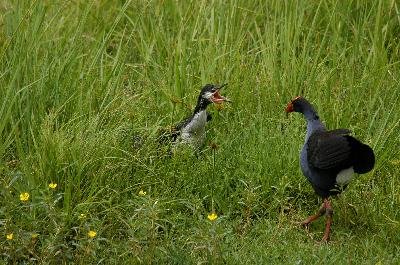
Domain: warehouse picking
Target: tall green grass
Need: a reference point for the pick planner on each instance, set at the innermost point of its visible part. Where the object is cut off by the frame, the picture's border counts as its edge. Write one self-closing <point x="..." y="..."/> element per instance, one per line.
<point x="85" y="87"/>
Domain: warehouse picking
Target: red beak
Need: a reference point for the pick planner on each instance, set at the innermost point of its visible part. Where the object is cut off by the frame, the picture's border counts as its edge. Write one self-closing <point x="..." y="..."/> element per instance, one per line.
<point x="289" y="108"/>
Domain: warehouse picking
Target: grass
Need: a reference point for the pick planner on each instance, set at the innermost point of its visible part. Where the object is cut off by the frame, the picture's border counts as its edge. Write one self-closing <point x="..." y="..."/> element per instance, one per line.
<point x="86" y="86"/>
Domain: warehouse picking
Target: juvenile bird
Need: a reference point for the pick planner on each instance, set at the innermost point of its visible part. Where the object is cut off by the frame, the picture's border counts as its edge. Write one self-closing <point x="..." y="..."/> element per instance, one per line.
<point x="192" y="130"/>
<point x="329" y="159"/>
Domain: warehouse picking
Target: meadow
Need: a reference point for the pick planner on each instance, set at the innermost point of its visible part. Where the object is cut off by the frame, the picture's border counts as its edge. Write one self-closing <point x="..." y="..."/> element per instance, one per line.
<point x="86" y="86"/>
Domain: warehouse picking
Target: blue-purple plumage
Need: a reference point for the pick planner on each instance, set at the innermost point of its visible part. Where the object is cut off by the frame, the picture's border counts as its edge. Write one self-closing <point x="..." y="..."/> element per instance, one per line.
<point x="329" y="159"/>
<point x="327" y="155"/>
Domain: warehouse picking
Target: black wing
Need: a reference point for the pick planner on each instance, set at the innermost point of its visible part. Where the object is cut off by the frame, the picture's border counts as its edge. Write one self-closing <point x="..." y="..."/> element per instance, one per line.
<point x="209" y="117"/>
<point x="330" y="150"/>
<point x="178" y="127"/>
<point x="172" y="133"/>
<point x="181" y="124"/>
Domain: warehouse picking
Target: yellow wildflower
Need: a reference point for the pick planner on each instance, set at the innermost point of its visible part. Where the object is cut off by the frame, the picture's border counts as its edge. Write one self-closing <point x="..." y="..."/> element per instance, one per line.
<point x="91" y="234"/>
<point x="24" y="196"/>
<point x="10" y="236"/>
<point x="142" y="193"/>
<point x="52" y="185"/>
<point x="212" y="216"/>
<point x="82" y="216"/>
<point x="395" y="162"/>
<point x="34" y="235"/>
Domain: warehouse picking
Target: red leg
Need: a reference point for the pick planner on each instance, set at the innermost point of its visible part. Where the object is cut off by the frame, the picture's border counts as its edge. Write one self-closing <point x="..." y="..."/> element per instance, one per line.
<point x="314" y="217"/>
<point x="329" y="213"/>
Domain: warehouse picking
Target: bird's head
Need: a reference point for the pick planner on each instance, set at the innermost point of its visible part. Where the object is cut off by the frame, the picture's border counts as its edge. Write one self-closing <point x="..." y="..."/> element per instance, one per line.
<point x="298" y="104"/>
<point x="212" y="94"/>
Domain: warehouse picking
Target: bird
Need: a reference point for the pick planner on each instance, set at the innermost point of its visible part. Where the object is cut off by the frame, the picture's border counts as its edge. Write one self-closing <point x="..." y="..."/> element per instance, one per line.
<point x="192" y="130"/>
<point x="329" y="159"/>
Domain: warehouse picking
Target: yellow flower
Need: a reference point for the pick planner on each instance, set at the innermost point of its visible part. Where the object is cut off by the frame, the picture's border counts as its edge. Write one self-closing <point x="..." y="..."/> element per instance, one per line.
<point x="52" y="185"/>
<point x="24" y="196"/>
<point x="34" y="235"/>
<point x="212" y="216"/>
<point x="10" y="236"/>
<point x="91" y="234"/>
<point x="395" y="162"/>
<point x="82" y="216"/>
<point x="142" y="193"/>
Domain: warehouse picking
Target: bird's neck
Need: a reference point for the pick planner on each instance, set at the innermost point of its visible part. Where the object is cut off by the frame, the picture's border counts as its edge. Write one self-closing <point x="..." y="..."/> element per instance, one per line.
<point x="313" y="123"/>
<point x="202" y="104"/>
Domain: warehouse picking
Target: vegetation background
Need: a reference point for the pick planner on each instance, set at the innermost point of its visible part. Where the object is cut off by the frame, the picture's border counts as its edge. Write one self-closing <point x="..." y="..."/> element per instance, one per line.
<point x="85" y="87"/>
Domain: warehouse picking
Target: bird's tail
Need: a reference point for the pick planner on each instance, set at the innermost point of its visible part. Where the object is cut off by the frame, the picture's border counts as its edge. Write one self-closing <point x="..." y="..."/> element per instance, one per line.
<point x="364" y="158"/>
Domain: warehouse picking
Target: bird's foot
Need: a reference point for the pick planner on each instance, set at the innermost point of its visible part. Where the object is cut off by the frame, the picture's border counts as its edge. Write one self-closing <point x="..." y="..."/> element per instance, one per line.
<point x="306" y="223"/>
<point x="325" y="239"/>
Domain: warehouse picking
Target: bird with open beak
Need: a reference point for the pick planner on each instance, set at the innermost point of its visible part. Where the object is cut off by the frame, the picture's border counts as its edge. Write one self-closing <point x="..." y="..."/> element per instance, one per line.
<point x="192" y="130"/>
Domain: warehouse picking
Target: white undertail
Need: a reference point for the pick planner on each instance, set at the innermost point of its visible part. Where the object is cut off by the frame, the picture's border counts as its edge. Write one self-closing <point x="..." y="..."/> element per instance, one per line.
<point x="345" y="176"/>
